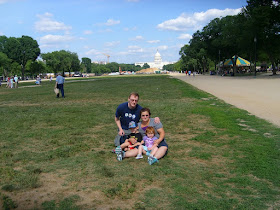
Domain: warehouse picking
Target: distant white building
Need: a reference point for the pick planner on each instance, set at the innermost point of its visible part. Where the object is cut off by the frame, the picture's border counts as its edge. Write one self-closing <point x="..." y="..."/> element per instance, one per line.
<point x="158" y="63"/>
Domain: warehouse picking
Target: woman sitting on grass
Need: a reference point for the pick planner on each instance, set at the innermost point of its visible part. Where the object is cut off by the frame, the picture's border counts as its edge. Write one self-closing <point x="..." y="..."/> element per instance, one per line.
<point x="146" y="122"/>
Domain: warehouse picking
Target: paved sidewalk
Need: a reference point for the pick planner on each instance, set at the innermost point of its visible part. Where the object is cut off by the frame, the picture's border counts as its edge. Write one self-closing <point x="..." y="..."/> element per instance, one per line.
<point x="258" y="95"/>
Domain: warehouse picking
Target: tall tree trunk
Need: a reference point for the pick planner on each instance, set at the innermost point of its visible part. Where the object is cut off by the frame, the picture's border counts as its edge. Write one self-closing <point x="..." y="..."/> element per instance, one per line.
<point x="22" y="71"/>
<point x="274" y="70"/>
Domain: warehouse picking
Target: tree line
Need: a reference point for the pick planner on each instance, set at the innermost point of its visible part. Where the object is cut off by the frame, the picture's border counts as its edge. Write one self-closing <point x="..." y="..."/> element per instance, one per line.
<point x="22" y="56"/>
<point x="253" y="34"/>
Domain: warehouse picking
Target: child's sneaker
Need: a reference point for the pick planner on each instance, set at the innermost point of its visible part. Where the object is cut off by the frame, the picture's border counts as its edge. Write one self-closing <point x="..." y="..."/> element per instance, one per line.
<point x="152" y="160"/>
<point x="139" y="156"/>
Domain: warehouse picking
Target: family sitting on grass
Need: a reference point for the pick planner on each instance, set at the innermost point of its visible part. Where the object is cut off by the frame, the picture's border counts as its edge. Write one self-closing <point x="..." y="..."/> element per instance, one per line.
<point x="136" y="138"/>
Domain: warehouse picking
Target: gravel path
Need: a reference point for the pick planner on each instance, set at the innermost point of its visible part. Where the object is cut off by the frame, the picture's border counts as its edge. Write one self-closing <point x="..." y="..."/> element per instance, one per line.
<point x="258" y="95"/>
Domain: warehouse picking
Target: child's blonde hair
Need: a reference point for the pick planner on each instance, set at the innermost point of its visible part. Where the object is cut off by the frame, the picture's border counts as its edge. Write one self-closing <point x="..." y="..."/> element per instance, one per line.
<point x="150" y="129"/>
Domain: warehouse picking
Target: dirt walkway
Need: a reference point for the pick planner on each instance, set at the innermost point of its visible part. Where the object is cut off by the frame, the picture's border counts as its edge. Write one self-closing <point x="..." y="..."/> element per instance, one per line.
<point x="258" y="95"/>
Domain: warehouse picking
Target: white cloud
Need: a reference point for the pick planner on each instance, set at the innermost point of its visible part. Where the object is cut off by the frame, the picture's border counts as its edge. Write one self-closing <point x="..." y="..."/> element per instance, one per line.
<point x="130" y="29"/>
<point x="46" y="23"/>
<point x="153" y="41"/>
<point x="163" y="47"/>
<point x="135" y="49"/>
<point x="87" y="32"/>
<point x="195" y="21"/>
<point x="55" y="39"/>
<point x="137" y="38"/>
<point x="112" y="44"/>
<point x="111" y="22"/>
<point x="92" y="52"/>
<point x="185" y="36"/>
<point x="105" y="31"/>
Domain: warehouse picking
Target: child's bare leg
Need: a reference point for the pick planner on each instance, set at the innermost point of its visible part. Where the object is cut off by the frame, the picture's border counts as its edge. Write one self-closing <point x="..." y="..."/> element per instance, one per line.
<point x="125" y="144"/>
<point x="154" y="151"/>
<point x="140" y="150"/>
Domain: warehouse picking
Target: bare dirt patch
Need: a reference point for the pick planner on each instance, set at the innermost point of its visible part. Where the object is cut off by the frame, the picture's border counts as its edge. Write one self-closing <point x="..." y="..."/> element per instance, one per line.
<point x="258" y="95"/>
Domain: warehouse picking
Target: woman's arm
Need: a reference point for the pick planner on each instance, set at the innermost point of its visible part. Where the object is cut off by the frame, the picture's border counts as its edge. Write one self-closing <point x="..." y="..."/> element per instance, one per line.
<point x="161" y="136"/>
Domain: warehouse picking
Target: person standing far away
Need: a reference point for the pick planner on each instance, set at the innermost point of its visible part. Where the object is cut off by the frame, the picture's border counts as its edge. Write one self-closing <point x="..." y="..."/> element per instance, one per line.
<point x="8" y="84"/>
<point x="16" y="81"/>
<point x="12" y="82"/>
<point x="59" y="84"/>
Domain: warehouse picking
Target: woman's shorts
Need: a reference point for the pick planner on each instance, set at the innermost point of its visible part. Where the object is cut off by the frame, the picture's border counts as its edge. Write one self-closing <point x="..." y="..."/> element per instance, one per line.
<point x="163" y="143"/>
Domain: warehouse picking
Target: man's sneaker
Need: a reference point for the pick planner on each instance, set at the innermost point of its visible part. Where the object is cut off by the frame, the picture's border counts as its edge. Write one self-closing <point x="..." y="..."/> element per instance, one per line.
<point x="139" y="156"/>
<point x="152" y="160"/>
<point x="119" y="153"/>
<point x="120" y="156"/>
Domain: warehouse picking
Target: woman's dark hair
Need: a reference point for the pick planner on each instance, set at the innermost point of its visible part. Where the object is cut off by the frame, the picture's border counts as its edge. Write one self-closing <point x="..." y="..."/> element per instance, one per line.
<point x="145" y="110"/>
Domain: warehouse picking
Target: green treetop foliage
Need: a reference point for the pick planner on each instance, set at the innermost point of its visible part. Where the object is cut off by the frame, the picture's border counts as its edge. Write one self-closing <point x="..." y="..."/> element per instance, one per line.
<point x="146" y="66"/>
<point x="20" y="50"/>
<point x="5" y="62"/>
<point x="263" y="18"/>
<point x="62" y="61"/>
<point x="87" y="63"/>
<point x="34" y="68"/>
<point x="255" y="31"/>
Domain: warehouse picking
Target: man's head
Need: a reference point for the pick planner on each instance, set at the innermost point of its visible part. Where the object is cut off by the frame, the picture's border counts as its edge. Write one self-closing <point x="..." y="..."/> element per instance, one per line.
<point x="133" y="100"/>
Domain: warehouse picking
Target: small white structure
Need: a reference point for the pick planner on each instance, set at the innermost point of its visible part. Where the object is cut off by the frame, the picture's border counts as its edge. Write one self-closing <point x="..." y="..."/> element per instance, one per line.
<point x="158" y="63"/>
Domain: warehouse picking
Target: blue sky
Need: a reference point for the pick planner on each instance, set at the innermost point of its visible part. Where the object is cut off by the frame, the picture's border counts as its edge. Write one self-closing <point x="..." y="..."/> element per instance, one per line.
<point x="128" y="30"/>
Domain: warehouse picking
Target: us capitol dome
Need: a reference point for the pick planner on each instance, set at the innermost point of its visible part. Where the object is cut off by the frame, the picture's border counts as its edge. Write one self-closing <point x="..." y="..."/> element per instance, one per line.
<point x="158" y="63"/>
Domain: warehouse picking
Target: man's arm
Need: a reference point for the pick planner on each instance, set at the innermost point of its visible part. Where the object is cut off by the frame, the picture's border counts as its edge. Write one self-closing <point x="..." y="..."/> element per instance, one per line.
<point x="157" y="120"/>
<point x="118" y="122"/>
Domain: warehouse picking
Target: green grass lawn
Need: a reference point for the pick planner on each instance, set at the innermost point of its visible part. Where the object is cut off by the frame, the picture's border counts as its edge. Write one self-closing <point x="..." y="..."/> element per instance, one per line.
<point x="56" y="153"/>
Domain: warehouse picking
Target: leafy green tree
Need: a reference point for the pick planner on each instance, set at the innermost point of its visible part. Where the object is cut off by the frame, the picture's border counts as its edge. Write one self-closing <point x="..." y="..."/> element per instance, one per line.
<point x="4" y="63"/>
<point x="34" y="68"/>
<point x="137" y="68"/>
<point x="178" y="66"/>
<point x="14" y="69"/>
<point x="87" y="64"/>
<point x="94" y="67"/>
<point x="169" y="67"/>
<point x="146" y="66"/>
<point x="113" y="66"/>
<point x="12" y="48"/>
<point x="29" y="50"/>
<point x="62" y="61"/>
<point x="3" y="40"/>
<point x="263" y="19"/>
<point x="20" y="50"/>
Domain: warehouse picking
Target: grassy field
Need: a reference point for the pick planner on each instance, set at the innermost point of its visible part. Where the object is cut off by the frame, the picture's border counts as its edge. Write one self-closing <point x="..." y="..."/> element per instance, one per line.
<point x="56" y="153"/>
